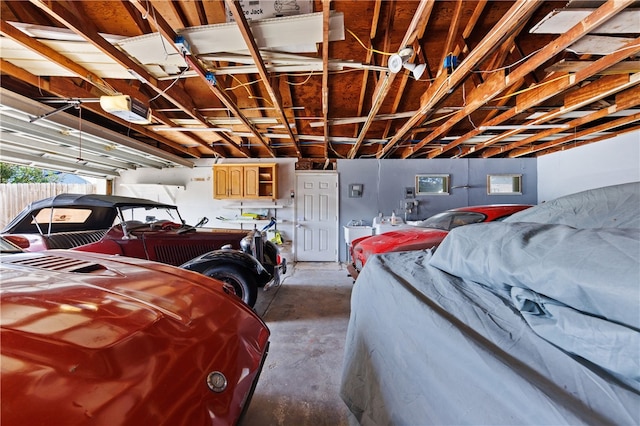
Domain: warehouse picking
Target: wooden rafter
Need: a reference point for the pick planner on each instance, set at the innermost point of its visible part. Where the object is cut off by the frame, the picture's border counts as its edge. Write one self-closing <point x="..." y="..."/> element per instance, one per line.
<point x="443" y="83"/>
<point x="537" y="95"/>
<point x="169" y="33"/>
<point x="142" y="24"/>
<point x="369" y="59"/>
<point x="575" y="66"/>
<point x="463" y="46"/>
<point x="45" y="51"/>
<point x="90" y="33"/>
<point x="179" y="12"/>
<point x="245" y="30"/>
<point x="498" y="82"/>
<point x="29" y="14"/>
<point x="471" y="24"/>
<point x="453" y="31"/>
<point x="591" y="95"/>
<point x="362" y="114"/>
<point x="383" y="87"/>
<point x="630" y="98"/>
<point x="477" y="96"/>
<point x="575" y="144"/>
<point x="287" y="100"/>
<point x="495" y="61"/>
<point x="202" y="13"/>
<point x="86" y="75"/>
<point x="403" y="82"/>
<point x="65" y="89"/>
<point x="601" y="128"/>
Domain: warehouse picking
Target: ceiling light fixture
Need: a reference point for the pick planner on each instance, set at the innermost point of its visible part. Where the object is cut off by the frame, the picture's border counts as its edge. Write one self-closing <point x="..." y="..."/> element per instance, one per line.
<point x="401" y="59"/>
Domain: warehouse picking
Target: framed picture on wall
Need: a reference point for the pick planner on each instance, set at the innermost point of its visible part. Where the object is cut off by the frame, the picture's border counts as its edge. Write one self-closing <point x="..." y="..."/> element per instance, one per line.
<point x="504" y="184"/>
<point x="432" y="184"/>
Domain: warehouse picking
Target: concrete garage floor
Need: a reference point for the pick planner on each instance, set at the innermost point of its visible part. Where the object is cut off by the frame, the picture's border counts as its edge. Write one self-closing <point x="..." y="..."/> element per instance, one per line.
<point x="308" y="316"/>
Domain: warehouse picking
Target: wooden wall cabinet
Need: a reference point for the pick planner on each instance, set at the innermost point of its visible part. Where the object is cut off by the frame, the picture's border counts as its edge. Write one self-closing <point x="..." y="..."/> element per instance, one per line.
<point x="245" y="181"/>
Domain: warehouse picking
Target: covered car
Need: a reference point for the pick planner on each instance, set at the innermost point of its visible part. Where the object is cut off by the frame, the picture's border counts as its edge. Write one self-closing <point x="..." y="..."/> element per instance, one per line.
<point x="147" y="229"/>
<point x="427" y="233"/>
<point x="105" y="340"/>
<point x="529" y="321"/>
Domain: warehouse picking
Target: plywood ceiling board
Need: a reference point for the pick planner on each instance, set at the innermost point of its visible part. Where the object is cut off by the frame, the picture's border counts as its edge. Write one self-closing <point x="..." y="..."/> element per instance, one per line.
<point x="62" y="34"/>
<point x="153" y="49"/>
<point x="295" y="34"/>
<point x="559" y="21"/>
<point x="599" y="45"/>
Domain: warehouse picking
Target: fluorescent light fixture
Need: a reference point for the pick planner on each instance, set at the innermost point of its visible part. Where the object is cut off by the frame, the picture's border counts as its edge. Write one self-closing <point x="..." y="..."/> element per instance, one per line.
<point x="525" y="127"/>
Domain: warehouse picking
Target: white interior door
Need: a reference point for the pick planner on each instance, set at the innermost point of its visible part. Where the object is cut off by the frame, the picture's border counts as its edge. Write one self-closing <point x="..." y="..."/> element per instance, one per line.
<point x="316" y="228"/>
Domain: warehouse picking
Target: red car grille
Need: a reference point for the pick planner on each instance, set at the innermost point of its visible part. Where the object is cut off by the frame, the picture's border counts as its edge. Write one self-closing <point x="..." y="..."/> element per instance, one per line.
<point x="178" y="254"/>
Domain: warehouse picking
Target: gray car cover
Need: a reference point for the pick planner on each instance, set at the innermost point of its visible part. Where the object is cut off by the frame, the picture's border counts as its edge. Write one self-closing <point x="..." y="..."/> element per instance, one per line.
<point x="535" y="320"/>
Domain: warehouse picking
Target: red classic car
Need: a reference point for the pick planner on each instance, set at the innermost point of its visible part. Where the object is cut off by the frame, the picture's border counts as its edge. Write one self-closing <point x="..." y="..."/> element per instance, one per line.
<point x="104" y="340"/>
<point x="425" y="234"/>
<point x="150" y="230"/>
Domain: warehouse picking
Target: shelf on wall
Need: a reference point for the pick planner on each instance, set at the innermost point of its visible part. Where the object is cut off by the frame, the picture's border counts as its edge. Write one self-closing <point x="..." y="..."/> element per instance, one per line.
<point x="254" y="206"/>
<point x="243" y="207"/>
<point x="250" y="221"/>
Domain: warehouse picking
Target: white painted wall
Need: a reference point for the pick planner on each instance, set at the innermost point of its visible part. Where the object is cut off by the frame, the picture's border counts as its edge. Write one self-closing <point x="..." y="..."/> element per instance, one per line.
<point x="609" y="162"/>
<point x="192" y="191"/>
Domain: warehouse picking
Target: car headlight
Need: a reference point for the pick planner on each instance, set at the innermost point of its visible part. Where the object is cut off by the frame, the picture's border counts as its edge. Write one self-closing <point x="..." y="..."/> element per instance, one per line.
<point x="245" y="244"/>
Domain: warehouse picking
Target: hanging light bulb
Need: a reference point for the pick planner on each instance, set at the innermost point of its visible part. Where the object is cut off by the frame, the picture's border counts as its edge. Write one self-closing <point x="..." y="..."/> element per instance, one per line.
<point x="416" y="70"/>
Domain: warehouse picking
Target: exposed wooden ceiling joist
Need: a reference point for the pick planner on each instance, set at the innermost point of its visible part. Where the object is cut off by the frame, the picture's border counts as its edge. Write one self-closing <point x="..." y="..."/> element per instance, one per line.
<point x="630" y="98"/>
<point x="536" y="95"/>
<point x="339" y="99"/>
<point x="169" y="33"/>
<point x="238" y="14"/>
<point x="497" y="83"/>
<point x="521" y="10"/>
<point x="383" y="87"/>
<point x="90" y="33"/>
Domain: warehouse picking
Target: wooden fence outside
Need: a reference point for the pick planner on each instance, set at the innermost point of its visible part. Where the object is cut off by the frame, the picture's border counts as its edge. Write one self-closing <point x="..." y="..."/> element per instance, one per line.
<point x="16" y="196"/>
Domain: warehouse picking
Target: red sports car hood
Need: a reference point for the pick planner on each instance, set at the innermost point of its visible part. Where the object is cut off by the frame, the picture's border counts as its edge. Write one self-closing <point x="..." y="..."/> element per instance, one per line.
<point x="121" y="341"/>
<point x="401" y="240"/>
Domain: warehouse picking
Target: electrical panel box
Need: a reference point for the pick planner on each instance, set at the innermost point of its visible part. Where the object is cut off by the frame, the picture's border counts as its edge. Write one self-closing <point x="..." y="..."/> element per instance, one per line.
<point x="355" y="190"/>
<point x="409" y="192"/>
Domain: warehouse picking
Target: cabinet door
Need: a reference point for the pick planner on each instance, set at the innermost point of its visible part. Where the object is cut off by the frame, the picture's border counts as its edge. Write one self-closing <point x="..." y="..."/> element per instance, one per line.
<point x="220" y="181"/>
<point x="251" y="181"/>
<point x="236" y="182"/>
<point x="267" y="181"/>
<point x="245" y="181"/>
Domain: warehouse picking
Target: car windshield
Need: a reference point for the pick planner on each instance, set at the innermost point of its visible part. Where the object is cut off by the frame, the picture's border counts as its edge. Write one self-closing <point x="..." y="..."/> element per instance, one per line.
<point x="449" y="220"/>
<point x="152" y="214"/>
